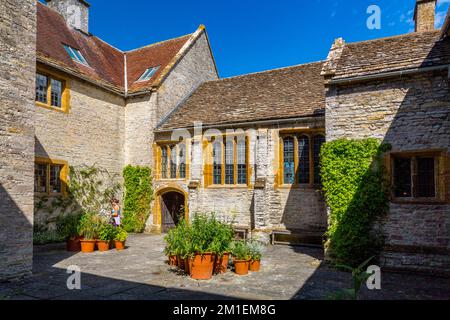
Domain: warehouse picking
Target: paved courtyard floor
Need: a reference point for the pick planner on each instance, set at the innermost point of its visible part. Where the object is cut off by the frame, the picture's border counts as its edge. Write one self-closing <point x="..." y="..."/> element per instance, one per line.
<point x="141" y="272"/>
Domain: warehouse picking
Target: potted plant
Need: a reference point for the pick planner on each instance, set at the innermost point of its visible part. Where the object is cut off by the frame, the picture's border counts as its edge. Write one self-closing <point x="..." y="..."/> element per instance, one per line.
<point x="88" y="229"/>
<point x="105" y="235"/>
<point x="182" y="245"/>
<point x="241" y="257"/>
<point x="170" y="248"/>
<point x="68" y="227"/>
<point x="120" y="238"/>
<point x="224" y="237"/>
<point x="201" y="247"/>
<point x="256" y="251"/>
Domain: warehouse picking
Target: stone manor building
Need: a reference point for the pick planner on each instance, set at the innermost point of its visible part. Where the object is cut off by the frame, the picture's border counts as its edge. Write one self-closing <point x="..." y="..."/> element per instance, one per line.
<point x="246" y="147"/>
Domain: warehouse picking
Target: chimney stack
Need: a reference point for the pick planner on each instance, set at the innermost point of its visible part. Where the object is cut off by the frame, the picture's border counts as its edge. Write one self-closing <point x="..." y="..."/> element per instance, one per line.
<point x="424" y="15"/>
<point x="76" y="12"/>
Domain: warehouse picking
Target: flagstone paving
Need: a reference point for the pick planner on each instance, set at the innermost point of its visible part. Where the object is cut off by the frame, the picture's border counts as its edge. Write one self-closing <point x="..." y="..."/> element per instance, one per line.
<point x="141" y="272"/>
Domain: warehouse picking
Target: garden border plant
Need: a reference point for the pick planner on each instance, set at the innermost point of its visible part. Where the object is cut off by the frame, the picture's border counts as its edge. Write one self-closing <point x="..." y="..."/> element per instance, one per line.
<point x="353" y="181"/>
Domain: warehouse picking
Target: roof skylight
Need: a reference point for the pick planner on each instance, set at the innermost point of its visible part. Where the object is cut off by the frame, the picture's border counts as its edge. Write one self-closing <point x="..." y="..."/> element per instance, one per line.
<point x="148" y="74"/>
<point x="76" y="55"/>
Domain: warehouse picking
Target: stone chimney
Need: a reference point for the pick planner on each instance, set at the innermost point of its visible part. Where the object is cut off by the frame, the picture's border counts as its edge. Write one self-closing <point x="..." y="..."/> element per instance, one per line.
<point x="424" y="15"/>
<point x="76" y="12"/>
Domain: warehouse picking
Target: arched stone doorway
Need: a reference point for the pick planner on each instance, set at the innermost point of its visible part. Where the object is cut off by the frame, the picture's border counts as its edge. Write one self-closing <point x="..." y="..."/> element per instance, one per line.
<point x="170" y="207"/>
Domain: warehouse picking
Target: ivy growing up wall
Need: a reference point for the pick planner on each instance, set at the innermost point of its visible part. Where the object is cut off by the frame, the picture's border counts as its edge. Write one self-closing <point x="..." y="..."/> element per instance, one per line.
<point x="355" y="191"/>
<point x="137" y="197"/>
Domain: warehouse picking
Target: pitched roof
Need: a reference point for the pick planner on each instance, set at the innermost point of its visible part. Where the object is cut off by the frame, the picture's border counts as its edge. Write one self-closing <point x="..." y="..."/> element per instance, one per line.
<point x="414" y="50"/>
<point x="106" y="63"/>
<point x="156" y="55"/>
<point x="277" y="94"/>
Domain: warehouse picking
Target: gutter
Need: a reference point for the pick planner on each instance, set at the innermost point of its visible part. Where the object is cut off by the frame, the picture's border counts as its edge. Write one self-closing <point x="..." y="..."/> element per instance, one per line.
<point x="249" y="123"/>
<point x="391" y="74"/>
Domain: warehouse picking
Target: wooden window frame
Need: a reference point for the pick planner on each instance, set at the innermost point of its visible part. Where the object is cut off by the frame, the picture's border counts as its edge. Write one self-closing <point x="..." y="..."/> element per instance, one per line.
<point x="63" y="175"/>
<point x="441" y="171"/>
<point x="296" y="134"/>
<point x="158" y="161"/>
<point x="65" y="92"/>
<point x="208" y="171"/>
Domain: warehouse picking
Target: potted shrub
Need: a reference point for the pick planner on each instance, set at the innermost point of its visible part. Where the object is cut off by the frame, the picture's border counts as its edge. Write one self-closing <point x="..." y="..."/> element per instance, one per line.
<point x="68" y="227"/>
<point x="120" y="238"/>
<point x="182" y="246"/>
<point x="224" y="237"/>
<point x="105" y="235"/>
<point x="201" y="247"/>
<point x="170" y="248"/>
<point x="241" y="257"/>
<point x="256" y="251"/>
<point x="87" y="229"/>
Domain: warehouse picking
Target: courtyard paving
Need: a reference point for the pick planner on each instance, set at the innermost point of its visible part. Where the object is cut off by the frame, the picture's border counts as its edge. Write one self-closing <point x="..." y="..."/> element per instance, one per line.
<point x="141" y="272"/>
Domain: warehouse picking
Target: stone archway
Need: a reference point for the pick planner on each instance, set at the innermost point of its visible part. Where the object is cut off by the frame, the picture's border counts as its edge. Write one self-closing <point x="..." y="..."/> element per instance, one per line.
<point x="171" y="204"/>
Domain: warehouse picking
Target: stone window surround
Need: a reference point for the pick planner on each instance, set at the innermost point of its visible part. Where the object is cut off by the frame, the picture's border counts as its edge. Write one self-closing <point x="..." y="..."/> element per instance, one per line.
<point x="208" y="162"/>
<point x="65" y="96"/>
<point x="441" y="157"/>
<point x="63" y="175"/>
<point x="295" y="133"/>
<point x="158" y="161"/>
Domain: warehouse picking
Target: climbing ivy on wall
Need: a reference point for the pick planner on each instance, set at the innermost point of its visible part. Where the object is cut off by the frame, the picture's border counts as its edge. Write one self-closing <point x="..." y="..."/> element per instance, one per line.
<point x="353" y="181"/>
<point x="137" y="197"/>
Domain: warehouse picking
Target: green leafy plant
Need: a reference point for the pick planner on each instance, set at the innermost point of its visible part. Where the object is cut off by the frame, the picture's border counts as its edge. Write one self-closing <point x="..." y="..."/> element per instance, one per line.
<point x="67" y="225"/>
<point x="106" y="232"/>
<point x="354" y="187"/>
<point x="240" y="250"/>
<point x="89" y="226"/>
<point x="121" y="235"/>
<point x="256" y="250"/>
<point x="137" y="198"/>
<point x="177" y="240"/>
<point x="359" y="276"/>
<point x="202" y="235"/>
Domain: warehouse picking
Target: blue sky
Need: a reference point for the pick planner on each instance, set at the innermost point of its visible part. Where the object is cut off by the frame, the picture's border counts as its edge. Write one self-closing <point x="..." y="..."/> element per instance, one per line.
<point x="252" y="35"/>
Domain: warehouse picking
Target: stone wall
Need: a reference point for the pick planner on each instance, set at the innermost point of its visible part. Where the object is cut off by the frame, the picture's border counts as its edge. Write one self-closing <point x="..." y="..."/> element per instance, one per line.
<point x="17" y="77"/>
<point x="412" y="114"/>
<point x="194" y="68"/>
<point x="261" y="209"/>
<point x="140" y="119"/>
<point x="91" y="133"/>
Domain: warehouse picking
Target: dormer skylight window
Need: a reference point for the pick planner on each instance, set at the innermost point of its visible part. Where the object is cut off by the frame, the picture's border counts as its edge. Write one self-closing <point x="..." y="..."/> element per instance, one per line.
<point x="76" y="55"/>
<point x="148" y="74"/>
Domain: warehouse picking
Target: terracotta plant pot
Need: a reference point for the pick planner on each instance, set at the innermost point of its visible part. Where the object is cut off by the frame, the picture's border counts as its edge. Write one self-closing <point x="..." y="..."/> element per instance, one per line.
<point x="120" y="245"/>
<point x="221" y="264"/>
<point x="102" y="245"/>
<point x="173" y="260"/>
<point x="73" y="245"/>
<point x="88" y="246"/>
<point x="241" y="267"/>
<point x="255" y="265"/>
<point x="202" y="266"/>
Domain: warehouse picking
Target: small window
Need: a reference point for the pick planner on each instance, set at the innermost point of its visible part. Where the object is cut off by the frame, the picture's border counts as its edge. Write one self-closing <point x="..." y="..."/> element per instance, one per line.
<point x="76" y="55"/>
<point x="49" y="177"/>
<point x="172" y="161"/>
<point x="217" y="164"/>
<point x="229" y="162"/>
<point x="414" y="177"/>
<point x="148" y="74"/>
<point x="300" y="155"/>
<point x="242" y="161"/>
<point x="51" y="92"/>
